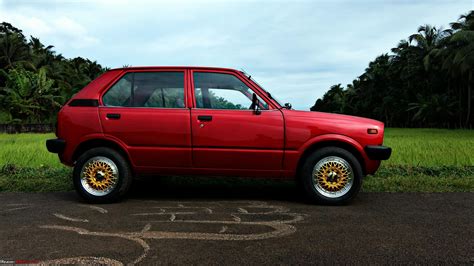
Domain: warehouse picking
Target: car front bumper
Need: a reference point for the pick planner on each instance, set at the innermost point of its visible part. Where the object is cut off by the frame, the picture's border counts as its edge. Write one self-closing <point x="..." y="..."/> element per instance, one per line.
<point x="376" y="152"/>
<point x="55" y="145"/>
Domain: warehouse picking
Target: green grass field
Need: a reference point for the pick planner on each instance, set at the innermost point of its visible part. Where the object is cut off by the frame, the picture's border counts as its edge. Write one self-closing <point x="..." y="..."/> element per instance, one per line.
<point x="27" y="150"/>
<point x="429" y="160"/>
<point x="430" y="147"/>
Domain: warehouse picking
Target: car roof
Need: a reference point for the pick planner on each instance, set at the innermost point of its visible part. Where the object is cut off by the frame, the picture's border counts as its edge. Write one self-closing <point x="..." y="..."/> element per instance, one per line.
<point x="167" y="67"/>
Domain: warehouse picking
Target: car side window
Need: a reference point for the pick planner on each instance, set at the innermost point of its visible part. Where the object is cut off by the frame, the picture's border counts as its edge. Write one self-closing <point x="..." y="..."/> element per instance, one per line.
<point x="147" y="89"/>
<point x="119" y="94"/>
<point x="222" y="91"/>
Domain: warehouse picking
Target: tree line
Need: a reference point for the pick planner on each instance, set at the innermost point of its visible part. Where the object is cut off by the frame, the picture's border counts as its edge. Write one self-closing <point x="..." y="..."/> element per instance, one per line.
<point x="35" y="81"/>
<point x="426" y="81"/>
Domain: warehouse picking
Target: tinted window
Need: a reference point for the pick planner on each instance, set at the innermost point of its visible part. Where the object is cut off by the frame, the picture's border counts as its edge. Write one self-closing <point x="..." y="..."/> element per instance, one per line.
<point x="119" y="94"/>
<point x="147" y="89"/>
<point x="222" y="91"/>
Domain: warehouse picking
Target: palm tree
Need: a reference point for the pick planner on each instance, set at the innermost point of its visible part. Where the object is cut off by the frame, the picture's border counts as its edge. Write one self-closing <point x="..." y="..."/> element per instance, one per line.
<point x="333" y="100"/>
<point x="459" y="60"/>
<point x="428" y="37"/>
<point x="12" y="46"/>
<point x="42" y="56"/>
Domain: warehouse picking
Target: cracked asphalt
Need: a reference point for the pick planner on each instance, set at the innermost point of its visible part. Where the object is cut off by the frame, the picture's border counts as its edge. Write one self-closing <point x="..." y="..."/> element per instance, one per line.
<point x="259" y="225"/>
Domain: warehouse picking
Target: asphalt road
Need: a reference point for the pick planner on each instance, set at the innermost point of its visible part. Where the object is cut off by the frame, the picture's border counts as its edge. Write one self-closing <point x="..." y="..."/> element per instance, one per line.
<point x="229" y="226"/>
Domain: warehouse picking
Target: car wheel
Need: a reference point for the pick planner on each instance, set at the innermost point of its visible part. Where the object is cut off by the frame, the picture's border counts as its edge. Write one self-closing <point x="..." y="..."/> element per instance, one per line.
<point x="331" y="175"/>
<point x="102" y="175"/>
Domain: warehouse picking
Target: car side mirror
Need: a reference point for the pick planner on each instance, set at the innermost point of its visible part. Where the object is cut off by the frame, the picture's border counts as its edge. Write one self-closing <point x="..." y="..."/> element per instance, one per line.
<point x="288" y="106"/>
<point x="256" y="104"/>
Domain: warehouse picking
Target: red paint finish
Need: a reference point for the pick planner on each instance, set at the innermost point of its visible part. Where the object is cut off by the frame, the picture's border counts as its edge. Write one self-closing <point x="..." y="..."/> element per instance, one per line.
<point x="238" y="139"/>
<point x="154" y="137"/>
<point x="75" y="127"/>
<point x="164" y="141"/>
<point x="305" y="129"/>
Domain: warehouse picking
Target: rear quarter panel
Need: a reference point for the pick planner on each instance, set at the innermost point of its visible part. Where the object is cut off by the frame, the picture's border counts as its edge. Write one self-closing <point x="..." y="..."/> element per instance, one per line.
<point x="78" y="123"/>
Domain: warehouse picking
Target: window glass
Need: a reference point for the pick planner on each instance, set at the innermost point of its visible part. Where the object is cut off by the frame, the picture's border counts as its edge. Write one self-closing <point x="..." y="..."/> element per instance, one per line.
<point x="119" y="94"/>
<point x="222" y="91"/>
<point x="148" y="89"/>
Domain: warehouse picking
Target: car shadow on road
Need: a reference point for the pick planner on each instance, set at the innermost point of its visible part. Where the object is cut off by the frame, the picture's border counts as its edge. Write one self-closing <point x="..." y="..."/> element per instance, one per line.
<point x="214" y="188"/>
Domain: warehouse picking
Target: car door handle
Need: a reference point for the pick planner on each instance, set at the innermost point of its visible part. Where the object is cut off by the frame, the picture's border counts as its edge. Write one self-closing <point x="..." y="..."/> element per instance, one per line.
<point x="205" y="117"/>
<point x="113" y="116"/>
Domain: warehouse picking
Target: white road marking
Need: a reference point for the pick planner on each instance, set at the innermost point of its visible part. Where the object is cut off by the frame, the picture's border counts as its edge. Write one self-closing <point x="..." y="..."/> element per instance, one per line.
<point x="146" y="228"/>
<point x="60" y="216"/>
<point x="95" y="208"/>
<point x="224" y="228"/>
<point x="148" y="213"/>
<point x="242" y="210"/>
<point x="236" y="218"/>
<point x="17" y="209"/>
<point x="160" y="213"/>
<point x="279" y="228"/>
<point x="181" y="206"/>
<point x="82" y="231"/>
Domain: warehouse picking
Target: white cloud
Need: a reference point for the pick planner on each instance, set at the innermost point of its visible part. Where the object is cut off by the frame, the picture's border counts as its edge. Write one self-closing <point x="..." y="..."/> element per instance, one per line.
<point x="295" y="49"/>
<point x="76" y="33"/>
<point x="62" y="32"/>
<point x="186" y="42"/>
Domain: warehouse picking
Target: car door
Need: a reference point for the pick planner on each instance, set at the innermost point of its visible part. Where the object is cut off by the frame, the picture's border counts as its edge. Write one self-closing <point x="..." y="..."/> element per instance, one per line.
<point x="146" y="111"/>
<point x="226" y="134"/>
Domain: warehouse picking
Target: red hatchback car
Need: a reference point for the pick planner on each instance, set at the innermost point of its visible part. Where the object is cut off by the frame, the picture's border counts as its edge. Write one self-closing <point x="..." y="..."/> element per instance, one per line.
<point x="208" y="121"/>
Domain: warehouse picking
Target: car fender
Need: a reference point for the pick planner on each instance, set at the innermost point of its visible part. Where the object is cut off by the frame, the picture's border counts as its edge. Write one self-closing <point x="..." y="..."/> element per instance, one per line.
<point x="105" y="137"/>
<point x="331" y="137"/>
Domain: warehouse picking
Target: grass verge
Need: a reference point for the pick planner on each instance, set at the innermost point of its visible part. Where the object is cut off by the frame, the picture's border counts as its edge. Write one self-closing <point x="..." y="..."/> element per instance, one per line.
<point x="35" y="179"/>
<point x="388" y="179"/>
<point x="421" y="179"/>
<point x="423" y="160"/>
<point x="411" y="147"/>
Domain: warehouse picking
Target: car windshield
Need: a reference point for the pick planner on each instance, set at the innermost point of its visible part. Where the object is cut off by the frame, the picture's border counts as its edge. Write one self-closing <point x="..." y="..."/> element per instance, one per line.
<point x="268" y="93"/>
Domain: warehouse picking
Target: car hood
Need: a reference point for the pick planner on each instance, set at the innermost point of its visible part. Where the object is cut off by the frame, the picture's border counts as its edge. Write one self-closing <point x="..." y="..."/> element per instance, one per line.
<point x="330" y="117"/>
<point x="308" y="124"/>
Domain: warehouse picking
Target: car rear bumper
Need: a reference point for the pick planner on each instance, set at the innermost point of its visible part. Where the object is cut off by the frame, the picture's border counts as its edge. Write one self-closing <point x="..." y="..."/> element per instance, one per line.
<point x="375" y="152"/>
<point x="55" y="145"/>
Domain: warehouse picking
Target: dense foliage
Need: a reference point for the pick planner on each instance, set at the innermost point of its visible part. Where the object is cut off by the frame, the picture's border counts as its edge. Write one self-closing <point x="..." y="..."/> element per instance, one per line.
<point x="34" y="80"/>
<point x="426" y="81"/>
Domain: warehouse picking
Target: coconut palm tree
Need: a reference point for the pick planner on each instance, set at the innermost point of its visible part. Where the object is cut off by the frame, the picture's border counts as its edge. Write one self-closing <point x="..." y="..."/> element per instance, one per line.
<point x="459" y="58"/>
<point x="12" y="46"/>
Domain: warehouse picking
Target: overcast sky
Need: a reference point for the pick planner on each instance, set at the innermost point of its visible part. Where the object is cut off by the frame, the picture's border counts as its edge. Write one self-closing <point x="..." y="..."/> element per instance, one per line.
<point x="295" y="49"/>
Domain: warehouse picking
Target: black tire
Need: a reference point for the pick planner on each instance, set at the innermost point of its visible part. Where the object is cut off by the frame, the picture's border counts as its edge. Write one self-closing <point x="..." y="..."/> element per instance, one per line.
<point x="123" y="181"/>
<point x="309" y="185"/>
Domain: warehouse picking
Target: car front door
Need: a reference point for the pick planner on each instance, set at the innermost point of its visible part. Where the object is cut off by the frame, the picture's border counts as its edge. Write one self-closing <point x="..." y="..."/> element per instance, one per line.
<point x="226" y="132"/>
<point x="146" y="112"/>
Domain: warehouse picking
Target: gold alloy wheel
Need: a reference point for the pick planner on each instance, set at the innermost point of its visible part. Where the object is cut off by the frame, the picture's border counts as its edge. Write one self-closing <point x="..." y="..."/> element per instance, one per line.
<point x="99" y="176"/>
<point x="333" y="176"/>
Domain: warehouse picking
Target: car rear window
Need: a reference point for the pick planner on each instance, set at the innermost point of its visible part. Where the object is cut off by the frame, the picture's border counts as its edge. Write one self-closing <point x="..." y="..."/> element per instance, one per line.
<point x="147" y="89"/>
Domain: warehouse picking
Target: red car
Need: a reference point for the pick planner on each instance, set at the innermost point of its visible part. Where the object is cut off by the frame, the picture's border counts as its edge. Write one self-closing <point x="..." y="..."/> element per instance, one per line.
<point x="208" y="121"/>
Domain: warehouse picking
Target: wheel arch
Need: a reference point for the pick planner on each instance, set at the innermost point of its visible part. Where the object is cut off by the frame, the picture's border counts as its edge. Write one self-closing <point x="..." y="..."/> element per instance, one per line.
<point x="331" y="142"/>
<point x="100" y="142"/>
